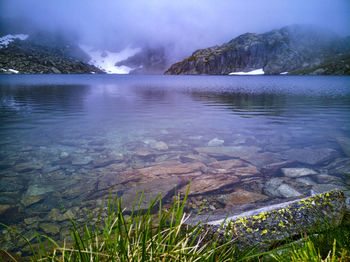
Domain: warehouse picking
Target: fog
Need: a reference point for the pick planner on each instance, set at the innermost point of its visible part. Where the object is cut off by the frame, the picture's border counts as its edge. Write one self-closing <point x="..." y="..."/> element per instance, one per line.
<point x="182" y="25"/>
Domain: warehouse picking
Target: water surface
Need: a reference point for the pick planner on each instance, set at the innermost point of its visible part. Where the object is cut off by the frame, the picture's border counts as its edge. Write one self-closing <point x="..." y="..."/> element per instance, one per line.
<point x="67" y="141"/>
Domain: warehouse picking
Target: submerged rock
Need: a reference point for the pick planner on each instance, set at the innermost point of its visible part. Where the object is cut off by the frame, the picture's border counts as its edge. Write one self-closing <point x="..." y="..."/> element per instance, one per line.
<point x="339" y="166"/>
<point x="50" y="228"/>
<point x="30" y="200"/>
<point x="4" y="208"/>
<point x="160" y="145"/>
<point x="241" y="197"/>
<point x="227" y="164"/>
<point x="286" y="190"/>
<point x="207" y="183"/>
<point x="170" y="168"/>
<point x="298" y="172"/>
<point x="273" y="168"/>
<point x="311" y="156"/>
<point x="216" y="142"/>
<point x="271" y="186"/>
<point x="149" y="191"/>
<point x="344" y="143"/>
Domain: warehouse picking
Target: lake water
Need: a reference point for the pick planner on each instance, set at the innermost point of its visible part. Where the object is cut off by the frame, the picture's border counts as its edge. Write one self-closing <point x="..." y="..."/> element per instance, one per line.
<point x="243" y="142"/>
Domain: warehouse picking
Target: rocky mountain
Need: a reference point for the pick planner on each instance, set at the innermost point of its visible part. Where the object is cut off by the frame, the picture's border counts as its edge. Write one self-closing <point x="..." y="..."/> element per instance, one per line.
<point x="43" y="53"/>
<point x="149" y="60"/>
<point x="289" y="49"/>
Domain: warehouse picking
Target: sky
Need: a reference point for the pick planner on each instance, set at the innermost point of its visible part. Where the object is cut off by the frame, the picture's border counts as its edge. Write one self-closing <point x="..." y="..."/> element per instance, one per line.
<point x="181" y="25"/>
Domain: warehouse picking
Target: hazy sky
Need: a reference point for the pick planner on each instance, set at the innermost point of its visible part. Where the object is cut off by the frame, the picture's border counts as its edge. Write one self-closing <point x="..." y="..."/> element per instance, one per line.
<point x="185" y="24"/>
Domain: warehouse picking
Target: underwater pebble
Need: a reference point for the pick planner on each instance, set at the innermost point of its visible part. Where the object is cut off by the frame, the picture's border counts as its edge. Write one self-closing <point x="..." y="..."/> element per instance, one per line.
<point x="216" y="142"/>
<point x="160" y="145"/>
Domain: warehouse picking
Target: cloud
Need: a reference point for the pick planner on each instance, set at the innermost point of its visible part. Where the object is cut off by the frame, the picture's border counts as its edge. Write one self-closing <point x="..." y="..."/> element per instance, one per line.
<point x="185" y="25"/>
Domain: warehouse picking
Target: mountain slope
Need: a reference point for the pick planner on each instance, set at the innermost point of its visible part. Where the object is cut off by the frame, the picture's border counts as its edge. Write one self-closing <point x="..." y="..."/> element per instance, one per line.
<point x="43" y="54"/>
<point x="287" y="49"/>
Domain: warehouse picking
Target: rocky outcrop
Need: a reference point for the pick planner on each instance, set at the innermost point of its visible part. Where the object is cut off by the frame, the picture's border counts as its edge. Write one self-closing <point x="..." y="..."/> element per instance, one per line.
<point x="44" y="54"/>
<point x="288" y="49"/>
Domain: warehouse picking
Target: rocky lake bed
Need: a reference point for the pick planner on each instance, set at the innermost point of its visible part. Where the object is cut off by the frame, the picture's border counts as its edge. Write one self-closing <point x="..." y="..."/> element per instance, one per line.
<point x="53" y="171"/>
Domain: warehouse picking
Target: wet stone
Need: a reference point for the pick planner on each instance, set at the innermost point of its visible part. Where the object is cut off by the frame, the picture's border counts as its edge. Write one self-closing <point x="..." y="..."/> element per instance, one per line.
<point x="216" y="142"/>
<point x="64" y="155"/>
<point x="81" y="161"/>
<point x="6" y="163"/>
<point x="31" y="220"/>
<point x="27" y="167"/>
<point x="339" y="166"/>
<point x="273" y="168"/>
<point x="4" y="208"/>
<point x="34" y="190"/>
<point x="102" y="162"/>
<point x="322" y="188"/>
<point x="286" y="190"/>
<point x="241" y="197"/>
<point x="242" y="152"/>
<point x="9" y="186"/>
<point x="344" y="143"/>
<point x="305" y="181"/>
<point x="324" y="178"/>
<point x="208" y="183"/>
<point x="311" y="156"/>
<point x="170" y="168"/>
<point x="160" y="145"/>
<point x="30" y="200"/>
<point x="50" y="228"/>
<point x="150" y="189"/>
<point x="272" y="185"/>
<point x="297" y="172"/>
<point x="227" y="164"/>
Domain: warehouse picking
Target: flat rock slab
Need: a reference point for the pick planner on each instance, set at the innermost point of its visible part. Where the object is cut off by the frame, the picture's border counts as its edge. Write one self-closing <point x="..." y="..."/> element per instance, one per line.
<point x="274" y="223"/>
<point x="207" y="183"/>
<point x="150" y="190"/>
<point x="297" y="172"/>
<point x="170" y="168"/>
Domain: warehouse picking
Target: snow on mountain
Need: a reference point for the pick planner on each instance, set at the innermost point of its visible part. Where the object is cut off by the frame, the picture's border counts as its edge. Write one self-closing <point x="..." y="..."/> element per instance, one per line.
<point x="5" y="40"/>
<point x="254" y="72"/>
<point x="106" y="60"/>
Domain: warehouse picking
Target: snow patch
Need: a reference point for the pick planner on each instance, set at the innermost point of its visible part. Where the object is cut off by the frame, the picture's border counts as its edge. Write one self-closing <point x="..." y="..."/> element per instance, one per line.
<point x="5" y="40"/>
<point x="106" y="60"/>
<point x="254" y="72"/>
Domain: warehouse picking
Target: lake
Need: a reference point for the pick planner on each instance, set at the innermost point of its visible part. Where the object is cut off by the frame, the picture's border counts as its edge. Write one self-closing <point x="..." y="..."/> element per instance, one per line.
<point x="67" y="141"/>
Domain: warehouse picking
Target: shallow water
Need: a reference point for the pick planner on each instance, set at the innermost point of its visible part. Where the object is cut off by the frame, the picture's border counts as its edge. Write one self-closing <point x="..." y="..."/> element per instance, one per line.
<point x="67" y="141"/>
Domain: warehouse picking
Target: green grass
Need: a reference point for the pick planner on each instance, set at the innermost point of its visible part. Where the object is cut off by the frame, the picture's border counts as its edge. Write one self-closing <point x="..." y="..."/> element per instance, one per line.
<point x="165" y="236"/>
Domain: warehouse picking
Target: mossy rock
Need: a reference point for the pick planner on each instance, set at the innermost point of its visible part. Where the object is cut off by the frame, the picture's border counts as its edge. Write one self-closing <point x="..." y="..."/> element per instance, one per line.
<point x="309" y="215"/>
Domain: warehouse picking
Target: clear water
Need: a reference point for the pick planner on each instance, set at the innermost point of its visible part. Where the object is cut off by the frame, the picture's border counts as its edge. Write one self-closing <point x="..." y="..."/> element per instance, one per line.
<point x="67" y="141"/>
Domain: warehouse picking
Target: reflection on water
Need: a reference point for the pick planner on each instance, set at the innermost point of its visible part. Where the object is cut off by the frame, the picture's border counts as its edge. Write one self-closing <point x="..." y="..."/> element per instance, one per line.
<point x="67" y="141"/>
